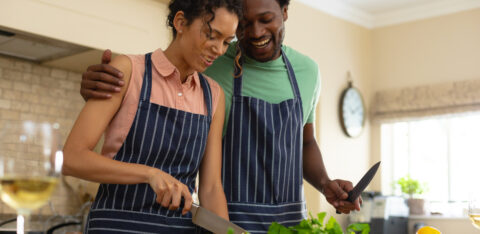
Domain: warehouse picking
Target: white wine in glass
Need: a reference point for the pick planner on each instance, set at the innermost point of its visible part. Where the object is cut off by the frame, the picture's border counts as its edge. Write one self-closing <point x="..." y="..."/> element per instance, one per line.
<point x="475" y="218"/>
<point x="30" y="165"/>
<point x="474" y="208"/>
<point x="27" y="193"/>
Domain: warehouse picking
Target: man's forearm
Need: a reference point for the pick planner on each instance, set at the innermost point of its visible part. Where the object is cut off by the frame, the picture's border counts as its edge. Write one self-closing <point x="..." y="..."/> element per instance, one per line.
<point x="313" y="167"/>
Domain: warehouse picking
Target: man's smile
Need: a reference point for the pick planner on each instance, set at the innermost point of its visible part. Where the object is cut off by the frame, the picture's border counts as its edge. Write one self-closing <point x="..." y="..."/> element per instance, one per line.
<point x="261" y="44"/>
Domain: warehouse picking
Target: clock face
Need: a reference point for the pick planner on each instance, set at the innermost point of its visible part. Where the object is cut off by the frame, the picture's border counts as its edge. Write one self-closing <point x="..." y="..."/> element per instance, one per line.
<point x="352" y="112"/>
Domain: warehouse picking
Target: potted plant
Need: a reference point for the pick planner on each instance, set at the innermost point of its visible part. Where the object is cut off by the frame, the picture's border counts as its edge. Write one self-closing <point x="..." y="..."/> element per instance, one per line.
<point x="413" y="188"/>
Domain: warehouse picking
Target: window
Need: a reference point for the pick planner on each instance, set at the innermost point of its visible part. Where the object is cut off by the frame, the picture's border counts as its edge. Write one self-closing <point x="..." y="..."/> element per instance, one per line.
<point x="443" y="152"/>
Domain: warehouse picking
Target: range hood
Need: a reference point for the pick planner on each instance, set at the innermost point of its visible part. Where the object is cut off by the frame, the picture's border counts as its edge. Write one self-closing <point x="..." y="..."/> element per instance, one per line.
<point x="35" y="48"/>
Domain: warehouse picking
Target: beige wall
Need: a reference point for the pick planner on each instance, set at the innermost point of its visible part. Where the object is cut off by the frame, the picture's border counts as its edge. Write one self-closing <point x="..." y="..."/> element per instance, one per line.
<point x="113" y="24"/>
<point x="338" y="47"/>
<point x="430" y="51"/>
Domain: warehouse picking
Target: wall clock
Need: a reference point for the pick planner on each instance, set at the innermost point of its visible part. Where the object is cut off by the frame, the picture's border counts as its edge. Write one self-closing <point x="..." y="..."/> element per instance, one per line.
<point x="352" y="111"/>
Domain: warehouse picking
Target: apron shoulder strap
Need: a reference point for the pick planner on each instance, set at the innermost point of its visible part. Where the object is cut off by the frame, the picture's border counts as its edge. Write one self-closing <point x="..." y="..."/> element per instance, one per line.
<point x="207" y="94"/>
<point x="291" y="75"/>
<point x="237" y="81"/>
<point x="147" y="79"/>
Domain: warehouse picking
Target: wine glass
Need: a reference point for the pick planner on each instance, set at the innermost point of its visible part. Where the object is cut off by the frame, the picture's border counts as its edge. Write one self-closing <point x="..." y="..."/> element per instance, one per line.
<point x="474" y="208"/>
<point x="30" y="165"/>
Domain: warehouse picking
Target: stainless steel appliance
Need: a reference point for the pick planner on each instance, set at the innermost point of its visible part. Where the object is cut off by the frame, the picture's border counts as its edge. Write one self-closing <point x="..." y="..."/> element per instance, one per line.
<point x="385" y="214"/>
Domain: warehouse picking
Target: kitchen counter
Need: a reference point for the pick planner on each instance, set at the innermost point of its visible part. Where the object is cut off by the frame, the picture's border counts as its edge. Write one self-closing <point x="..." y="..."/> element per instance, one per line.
<point x="41" y="224"/>
<point x="446" y="224"/>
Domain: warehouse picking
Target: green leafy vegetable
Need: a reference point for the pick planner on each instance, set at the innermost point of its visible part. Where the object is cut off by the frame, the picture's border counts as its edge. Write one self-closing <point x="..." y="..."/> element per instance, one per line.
<point x="316" y="226"/>
<point x="353" y="228"/>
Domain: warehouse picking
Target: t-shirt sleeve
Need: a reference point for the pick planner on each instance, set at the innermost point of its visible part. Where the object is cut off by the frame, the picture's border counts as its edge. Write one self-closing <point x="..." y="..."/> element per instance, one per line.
<point x="315" y="96"/>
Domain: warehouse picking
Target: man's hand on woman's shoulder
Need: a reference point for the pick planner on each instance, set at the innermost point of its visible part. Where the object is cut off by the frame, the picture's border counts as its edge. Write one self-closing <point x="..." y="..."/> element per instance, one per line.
<point x="100" y="80"/>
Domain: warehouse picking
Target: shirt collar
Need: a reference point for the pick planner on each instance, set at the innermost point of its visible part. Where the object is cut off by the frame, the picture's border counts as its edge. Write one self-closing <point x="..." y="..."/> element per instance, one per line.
<point x="193" y="80"/>
<point x="162" y="64"/>
<point x="168" y="70"/>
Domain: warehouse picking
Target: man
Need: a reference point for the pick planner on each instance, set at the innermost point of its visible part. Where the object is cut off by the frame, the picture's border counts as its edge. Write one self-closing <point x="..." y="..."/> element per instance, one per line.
<point x="269" y="143"/>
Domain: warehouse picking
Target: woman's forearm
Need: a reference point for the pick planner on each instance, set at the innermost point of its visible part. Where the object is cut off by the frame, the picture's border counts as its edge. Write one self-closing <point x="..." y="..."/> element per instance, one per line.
<point x="88" y="165"/>
<point x="214" y="200"/>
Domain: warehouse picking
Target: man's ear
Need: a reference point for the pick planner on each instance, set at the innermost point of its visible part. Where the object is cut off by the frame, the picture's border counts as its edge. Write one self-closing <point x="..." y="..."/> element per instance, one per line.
<point x="285" y="13"/>
<point x="179" y="21"/>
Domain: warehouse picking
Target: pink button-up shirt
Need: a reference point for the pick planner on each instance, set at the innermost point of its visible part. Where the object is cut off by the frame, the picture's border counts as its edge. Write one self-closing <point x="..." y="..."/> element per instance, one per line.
<point x="167" y="90"/>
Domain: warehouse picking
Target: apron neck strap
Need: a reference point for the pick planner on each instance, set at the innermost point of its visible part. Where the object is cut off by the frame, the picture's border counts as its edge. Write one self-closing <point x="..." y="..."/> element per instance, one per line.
<point x="237" y="84"/>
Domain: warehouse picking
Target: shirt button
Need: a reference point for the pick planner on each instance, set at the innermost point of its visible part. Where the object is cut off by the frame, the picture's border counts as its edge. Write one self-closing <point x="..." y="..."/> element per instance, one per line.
<point x="180" y="94"/>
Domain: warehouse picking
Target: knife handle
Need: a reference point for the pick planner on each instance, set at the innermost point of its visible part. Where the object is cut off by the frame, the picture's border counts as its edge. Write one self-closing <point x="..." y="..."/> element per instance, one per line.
<point x="349" y="198"/>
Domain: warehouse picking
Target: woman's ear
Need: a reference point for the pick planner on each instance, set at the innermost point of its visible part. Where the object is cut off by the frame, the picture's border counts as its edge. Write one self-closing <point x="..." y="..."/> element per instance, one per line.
<point x="179" y="21"/>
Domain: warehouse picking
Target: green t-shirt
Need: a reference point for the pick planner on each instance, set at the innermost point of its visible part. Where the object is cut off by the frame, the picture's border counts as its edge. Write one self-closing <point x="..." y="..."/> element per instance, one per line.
<point x="269" y="81"/>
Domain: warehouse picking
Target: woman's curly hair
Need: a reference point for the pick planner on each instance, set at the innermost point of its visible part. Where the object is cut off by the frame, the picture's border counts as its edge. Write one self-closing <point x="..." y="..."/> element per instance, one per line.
<point x="194" y="9"/>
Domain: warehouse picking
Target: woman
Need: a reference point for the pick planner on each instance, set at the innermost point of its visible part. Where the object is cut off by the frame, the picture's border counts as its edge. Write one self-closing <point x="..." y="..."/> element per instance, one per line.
<point x="163" y="127"/>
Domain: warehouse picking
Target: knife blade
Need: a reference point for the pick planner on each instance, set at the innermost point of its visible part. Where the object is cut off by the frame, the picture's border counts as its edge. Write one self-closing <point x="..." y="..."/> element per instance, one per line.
<point x="212" y="222"/>
<point x="362" y="184"/>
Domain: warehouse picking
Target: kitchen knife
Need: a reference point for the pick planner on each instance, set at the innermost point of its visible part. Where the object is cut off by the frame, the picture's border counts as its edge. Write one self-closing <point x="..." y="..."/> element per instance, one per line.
<point x="362" y="184"/>
<point x="212" y="222"/>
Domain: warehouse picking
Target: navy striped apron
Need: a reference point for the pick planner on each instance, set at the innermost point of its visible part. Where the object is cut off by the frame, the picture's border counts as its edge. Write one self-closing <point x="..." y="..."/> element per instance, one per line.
<point x="262" y="159"/>
<point x="165" y="138"/>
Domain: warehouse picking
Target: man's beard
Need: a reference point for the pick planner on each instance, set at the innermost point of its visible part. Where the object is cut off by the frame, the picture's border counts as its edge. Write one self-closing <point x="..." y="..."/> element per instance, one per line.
<point x="276" y="49"/>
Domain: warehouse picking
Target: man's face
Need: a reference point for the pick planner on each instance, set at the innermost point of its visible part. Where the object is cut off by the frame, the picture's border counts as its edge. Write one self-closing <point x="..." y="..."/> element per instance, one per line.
<point x="264" y="29"/>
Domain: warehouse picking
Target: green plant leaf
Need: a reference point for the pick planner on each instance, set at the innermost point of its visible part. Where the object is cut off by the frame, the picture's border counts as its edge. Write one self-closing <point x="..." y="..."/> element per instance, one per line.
<point x="314" y="221"/>
<point x="411" y="186"/>
<point x="355" y="227"/>
<point x="333" y="227"/>
<point x="321" y="217"/>
<point x="303" y="227"/>
<point x="276" y="228"/>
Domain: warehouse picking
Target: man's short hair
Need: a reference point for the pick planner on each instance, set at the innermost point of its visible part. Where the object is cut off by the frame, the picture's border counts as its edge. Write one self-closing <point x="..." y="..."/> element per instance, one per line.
<point x="283" y="3"/>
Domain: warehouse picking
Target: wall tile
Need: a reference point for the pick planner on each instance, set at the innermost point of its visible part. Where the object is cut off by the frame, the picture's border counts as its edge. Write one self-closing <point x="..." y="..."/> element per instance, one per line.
<point x="11" y="74"/>
<point x="23" y="66"/>
<point x="29" y="91"/>
<point x="41" y="70"/>
<point x="6" y="62"/>
<point x="7" y="84"/>
<point x="22" y="86"/>
<point x="5" y="104"/>
<point x="57" y="73"/>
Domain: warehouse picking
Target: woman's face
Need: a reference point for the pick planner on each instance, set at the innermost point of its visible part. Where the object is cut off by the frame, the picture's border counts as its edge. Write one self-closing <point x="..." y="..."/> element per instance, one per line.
<point x="200" y="45"/>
